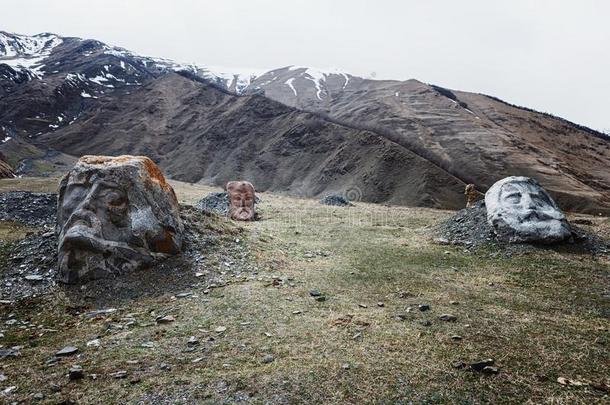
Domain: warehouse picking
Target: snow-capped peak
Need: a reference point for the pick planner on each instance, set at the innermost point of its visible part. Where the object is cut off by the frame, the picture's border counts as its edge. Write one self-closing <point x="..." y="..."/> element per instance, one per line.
<point x="319" y="76"/>
<point x="26" y="53"/>
<point x="14" y="45"/>
<point x="235" y="79"/>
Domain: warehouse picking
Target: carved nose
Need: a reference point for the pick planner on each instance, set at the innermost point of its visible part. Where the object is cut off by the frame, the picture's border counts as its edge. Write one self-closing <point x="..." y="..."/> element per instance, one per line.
<point x="528" y="202"/>
<point x="85" y="207"/>
<point x="84" y="213"/>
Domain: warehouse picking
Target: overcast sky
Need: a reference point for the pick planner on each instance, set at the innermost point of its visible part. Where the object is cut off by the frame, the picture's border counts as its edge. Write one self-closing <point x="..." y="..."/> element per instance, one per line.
<point x="553" y="56"/>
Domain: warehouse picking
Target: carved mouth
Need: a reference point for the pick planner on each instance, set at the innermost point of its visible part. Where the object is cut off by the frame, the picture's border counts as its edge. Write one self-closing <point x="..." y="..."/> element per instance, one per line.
<point x="242" y="213"/>
<point x="536" y="216"/>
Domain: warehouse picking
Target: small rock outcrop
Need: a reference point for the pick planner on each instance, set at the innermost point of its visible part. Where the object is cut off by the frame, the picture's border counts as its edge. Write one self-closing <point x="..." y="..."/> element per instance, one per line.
<point x="242" y="200"/>
<point x="6" y="171"/>
<point x="114" y="214"/>
<point x="217" y="203"/>
<point x="336" y="200"/>
<point x="472" y="195"/>
<point x="520" y="210"/>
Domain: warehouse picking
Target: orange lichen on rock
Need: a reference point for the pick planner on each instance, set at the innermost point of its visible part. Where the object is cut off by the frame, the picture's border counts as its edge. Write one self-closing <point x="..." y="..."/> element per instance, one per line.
<point x="156" y="175"/>
<point x="97" y="160"/>
<point x="167" y="244"/>
<point x="151" y="170"/>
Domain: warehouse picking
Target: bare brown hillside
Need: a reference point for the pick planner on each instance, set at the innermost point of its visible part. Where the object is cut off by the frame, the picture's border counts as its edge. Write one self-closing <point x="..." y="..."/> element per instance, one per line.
<point x="199" y="133"/>
<point x="474" y="137"/>
<point x="294" y="129"/>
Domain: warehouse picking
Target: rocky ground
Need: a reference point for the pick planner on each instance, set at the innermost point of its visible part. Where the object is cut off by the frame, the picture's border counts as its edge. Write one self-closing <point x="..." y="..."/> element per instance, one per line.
<point x="30" y="268"/>
<point x="312" y="304"/>
<point x="28" y="208"/>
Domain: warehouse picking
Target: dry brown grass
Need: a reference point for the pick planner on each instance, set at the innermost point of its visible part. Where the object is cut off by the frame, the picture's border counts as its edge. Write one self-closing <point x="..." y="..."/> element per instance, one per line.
<point x="33" y="184"/>
<point x="540" y="316"/>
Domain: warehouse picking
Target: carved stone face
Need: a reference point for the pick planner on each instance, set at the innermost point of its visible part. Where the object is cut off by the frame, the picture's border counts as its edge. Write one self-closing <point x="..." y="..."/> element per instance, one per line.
<point x="114" y="215"/>
<point x="241" y="200"/>
<point x="520" y="210"/>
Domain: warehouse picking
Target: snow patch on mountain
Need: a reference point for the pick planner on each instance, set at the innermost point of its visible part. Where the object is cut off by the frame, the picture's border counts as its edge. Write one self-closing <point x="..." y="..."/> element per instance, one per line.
<point x="14" y="45"/>
<point x="320" y="76"/>
<point x="237" y="79"/>
<point x="231" y="78"/>
<point x="289" y="83"/>
<point x="26" y="53"/>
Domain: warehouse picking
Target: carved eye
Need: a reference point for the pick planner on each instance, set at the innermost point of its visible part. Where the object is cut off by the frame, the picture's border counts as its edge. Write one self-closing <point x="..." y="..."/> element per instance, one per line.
<point x="540" y="199"/>
<point x="116" y="200"/>
<point x="514" y="198"/>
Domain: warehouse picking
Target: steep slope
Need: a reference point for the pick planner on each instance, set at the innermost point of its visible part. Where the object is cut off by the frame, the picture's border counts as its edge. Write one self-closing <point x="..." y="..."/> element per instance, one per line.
<point x="197" y="132"/>
<point x="474" y="137"/>
<point x="6" y="171"/>
<point x="87" y="97"/>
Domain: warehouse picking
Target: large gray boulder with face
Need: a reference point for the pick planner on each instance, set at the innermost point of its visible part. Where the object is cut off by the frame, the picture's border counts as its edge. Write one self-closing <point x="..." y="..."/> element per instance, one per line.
<point x="520" y="210"/>
<point x="115" y="214"/>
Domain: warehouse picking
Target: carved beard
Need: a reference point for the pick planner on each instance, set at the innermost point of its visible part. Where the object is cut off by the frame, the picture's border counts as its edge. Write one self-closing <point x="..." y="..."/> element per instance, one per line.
<point x="528" y="224"/>
<point x="80" y="264"/>
<point x="242" y="213"/>
<point x="84" y="255"/>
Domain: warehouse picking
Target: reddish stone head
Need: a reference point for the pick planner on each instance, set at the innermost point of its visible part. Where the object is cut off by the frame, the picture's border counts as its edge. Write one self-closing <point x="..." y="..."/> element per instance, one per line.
<point x="241" y="200"/>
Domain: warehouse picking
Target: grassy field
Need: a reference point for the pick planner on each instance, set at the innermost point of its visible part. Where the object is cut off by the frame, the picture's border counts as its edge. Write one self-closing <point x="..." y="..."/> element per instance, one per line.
<point x="543" y="317"/>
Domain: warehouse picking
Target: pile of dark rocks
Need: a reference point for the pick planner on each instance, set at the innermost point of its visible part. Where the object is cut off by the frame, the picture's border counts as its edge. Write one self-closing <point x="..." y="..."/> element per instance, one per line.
<point x="218" y="203"/>
<point x="467" y="227"/>
<point x="28" y="267"/>
<point x="34" y="209"/>
<point x="336" y="200"/>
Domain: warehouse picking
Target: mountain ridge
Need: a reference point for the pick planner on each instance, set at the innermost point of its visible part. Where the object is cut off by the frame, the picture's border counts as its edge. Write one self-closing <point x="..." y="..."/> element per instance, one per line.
<point x="63" y="89"/>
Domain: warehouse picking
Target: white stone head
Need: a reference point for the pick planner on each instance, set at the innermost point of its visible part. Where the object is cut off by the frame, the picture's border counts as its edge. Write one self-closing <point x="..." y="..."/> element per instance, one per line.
<point x="520" y="210"/>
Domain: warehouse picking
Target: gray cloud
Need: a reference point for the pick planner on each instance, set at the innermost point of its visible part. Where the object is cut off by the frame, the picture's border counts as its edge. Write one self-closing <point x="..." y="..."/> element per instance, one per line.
<point x="549" y="55"/>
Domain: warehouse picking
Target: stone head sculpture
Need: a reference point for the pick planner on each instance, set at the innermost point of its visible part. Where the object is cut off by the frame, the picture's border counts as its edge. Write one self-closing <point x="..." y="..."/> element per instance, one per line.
<point x="114" y="214"/>
<point x="241" y="200"/>
<point x="520" y="210"/>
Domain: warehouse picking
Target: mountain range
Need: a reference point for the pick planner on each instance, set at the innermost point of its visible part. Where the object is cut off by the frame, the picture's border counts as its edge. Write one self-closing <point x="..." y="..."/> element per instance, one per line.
<point x="298" y="130"/>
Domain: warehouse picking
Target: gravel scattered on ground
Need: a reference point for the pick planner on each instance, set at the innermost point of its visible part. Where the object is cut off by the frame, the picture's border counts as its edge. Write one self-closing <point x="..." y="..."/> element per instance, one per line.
<point x="28" y="208"/>
<point x="30" y="267"/>
<point x="336" y="200"/>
